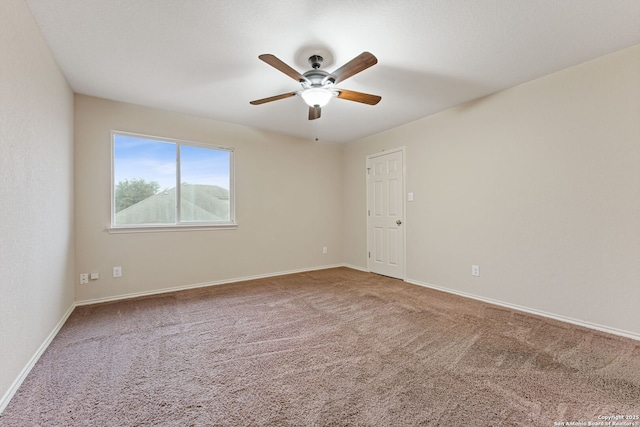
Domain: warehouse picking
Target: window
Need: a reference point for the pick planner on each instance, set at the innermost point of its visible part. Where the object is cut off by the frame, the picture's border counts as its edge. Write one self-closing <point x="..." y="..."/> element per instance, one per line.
<point x="159" y="182"/>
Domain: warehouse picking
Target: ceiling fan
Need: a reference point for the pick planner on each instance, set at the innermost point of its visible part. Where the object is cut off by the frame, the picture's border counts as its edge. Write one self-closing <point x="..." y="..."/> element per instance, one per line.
<point x="318" y="85"/>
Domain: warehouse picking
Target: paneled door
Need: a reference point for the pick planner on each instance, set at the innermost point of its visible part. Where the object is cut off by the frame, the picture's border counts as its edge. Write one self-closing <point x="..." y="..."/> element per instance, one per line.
<point x="385" y="213"/>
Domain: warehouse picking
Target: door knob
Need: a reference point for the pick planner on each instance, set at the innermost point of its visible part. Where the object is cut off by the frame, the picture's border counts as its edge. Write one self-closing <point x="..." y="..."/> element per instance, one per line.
<point x="398" y="222"/>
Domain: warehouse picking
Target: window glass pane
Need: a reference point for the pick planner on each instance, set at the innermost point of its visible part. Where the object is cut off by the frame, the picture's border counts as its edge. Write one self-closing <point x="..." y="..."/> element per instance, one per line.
<point x="205" y="184"/>
<point x="144" y="173"/>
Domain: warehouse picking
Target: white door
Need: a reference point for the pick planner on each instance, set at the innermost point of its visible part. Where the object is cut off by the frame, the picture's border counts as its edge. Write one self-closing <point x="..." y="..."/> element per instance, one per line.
<point x="385" y="213"/>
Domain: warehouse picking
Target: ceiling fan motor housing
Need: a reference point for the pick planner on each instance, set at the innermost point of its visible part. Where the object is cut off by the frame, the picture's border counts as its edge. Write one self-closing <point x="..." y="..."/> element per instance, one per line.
<point x="317" y="77"/>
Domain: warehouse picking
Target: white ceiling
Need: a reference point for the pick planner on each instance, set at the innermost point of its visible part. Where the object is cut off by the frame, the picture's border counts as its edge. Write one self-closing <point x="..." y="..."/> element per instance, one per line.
<point x="200" y="57"/>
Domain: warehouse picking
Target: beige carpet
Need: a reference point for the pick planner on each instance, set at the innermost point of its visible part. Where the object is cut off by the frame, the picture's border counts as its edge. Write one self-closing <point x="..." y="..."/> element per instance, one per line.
<point x="329" y="348"/>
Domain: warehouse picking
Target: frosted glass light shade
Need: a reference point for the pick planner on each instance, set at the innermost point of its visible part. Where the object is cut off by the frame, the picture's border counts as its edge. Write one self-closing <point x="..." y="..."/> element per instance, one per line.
<point x="316" y="96"/>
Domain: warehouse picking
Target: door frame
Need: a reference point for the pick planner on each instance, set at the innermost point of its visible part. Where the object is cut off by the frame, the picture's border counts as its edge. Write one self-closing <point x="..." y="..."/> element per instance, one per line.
<point x="401" y="149"/>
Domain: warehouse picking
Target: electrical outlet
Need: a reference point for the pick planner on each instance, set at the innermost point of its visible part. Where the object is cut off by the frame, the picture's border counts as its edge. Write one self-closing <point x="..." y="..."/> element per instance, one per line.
<point x="475" y="270"/>
<point x="84" y="278"/>
<point x="117" y="271"/>
<point x="325" y="250"/>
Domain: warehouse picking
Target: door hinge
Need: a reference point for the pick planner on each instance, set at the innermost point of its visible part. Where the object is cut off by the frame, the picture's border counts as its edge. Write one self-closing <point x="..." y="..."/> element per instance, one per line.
<point x="369" y="212"/>
<point x="369" y="254"/>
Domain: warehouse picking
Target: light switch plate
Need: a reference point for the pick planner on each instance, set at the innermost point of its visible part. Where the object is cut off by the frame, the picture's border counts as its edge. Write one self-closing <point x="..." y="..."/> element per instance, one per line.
<point x="475" y="270"/>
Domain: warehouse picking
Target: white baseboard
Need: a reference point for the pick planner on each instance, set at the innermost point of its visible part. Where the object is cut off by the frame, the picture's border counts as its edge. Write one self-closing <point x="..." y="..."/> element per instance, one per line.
<point x="4" y="401"/>
<point x="355" y="267"/>
<point x="202" y="285"/>
<point x="561" y="318"/>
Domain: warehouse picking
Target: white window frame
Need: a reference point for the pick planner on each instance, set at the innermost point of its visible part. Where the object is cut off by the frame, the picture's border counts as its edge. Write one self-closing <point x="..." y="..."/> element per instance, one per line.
<point x="179" y="225"/>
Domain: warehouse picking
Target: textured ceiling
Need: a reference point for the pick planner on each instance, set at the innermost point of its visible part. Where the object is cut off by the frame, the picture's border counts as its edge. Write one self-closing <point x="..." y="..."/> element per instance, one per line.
<point x="200" y="57"/>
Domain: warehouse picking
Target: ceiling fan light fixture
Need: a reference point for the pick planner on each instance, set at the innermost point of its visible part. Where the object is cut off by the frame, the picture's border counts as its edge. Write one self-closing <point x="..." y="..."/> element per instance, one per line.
<point x="316" y="96"/>
<point x="318" y="85"/>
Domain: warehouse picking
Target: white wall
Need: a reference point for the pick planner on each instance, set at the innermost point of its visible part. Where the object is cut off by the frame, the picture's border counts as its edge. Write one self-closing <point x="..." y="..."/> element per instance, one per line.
<point x="36" y="192"/>
<point x="539" y="185"/>
<point x="288" y="205"/>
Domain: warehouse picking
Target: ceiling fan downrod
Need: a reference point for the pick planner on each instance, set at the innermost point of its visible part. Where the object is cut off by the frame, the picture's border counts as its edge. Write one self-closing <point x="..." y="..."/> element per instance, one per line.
<point x="315" y="61"/>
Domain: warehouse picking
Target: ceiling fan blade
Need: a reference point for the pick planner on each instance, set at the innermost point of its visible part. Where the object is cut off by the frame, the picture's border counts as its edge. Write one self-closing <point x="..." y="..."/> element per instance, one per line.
<point x="273" y="98"/>
<point x="281" y="66"/>
<point x="357" y="64"/>
<point x="364" y="98"/>
<point x="314" y="112"/>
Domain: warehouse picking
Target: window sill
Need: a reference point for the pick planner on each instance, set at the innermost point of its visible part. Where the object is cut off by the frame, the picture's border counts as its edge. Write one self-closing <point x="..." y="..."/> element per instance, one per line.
<point x="170" y="228"/>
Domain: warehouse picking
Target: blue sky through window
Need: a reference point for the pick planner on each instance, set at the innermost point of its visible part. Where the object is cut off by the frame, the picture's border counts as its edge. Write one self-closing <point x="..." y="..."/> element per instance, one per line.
<point x="137" y="157"/>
